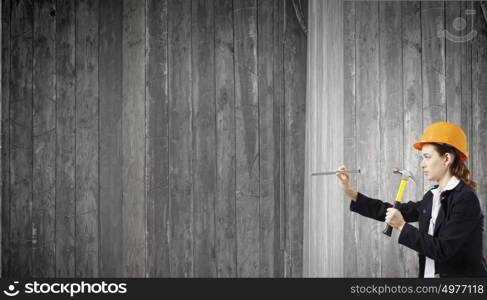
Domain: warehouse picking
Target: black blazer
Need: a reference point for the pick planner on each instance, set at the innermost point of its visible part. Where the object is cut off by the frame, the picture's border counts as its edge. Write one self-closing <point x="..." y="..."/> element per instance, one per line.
<point x="456" y="245"/>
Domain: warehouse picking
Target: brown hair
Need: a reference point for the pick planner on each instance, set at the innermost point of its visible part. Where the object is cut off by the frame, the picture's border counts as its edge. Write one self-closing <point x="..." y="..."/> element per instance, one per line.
<point x="458" y="167"/>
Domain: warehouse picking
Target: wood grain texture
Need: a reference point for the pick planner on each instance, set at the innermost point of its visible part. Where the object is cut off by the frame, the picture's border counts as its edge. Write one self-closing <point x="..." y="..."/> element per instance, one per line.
<point x="1" y="159"/>
<point x="133" y="139"/>
<point x="368" y="132"/>
<point x="279" y="130"/>
<point x="225" y="201"/>
<point x="350" y="241"/>
<point x="412" y="113"/>
<point x="1" y="127"/>
<point x="269" y="234"/>
<point x="325" y="126"/>
<point x="110" y="151"/>
<point x="453" y="63"/>
<point x="5" y="140"/>
<point x="314" y="257"/>
<point x="157" y="156"/>
<point x="152" y="138"/>
<point x="479" y="107"/>
<point x="391" y="123"/>
<point x="180" y="139"/>
<point x="44" y="139"/>
<point x="21" y="139"/>
<point x="334" y="54"/>
<point x="247" y="138"/>
<point x="66" y="138"/>
<point x="295" y="115"/>
<point x="87" y="139"/>
<point x="465" y="59"/>
<point x="204" y="127"/>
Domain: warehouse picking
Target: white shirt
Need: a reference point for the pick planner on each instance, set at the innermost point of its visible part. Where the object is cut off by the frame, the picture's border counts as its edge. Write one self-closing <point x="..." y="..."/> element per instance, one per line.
<point x="429" y="268"/>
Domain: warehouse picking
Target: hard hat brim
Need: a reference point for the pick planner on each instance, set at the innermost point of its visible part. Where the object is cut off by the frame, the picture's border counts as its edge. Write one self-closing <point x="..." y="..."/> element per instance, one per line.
<point x="419" y="146"/>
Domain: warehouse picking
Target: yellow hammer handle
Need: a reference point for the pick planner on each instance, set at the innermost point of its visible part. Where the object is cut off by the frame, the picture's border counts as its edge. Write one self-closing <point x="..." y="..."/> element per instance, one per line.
<point x="400" y="192"/>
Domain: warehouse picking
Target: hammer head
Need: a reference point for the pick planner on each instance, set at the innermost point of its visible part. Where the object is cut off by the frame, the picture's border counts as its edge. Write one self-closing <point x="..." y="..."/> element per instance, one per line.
<point x="406" y="174"/>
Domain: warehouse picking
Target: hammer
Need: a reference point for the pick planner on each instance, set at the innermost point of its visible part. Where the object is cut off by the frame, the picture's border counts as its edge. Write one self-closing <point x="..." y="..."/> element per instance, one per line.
<point x="405" y="176"/>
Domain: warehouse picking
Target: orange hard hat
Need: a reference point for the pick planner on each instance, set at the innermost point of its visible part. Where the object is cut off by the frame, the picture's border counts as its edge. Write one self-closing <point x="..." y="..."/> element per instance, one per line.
<point x="445" y="133"/>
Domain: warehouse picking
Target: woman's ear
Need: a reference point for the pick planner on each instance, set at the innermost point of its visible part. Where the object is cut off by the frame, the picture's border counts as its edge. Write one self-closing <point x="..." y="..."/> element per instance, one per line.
<point x="448" y="159"/>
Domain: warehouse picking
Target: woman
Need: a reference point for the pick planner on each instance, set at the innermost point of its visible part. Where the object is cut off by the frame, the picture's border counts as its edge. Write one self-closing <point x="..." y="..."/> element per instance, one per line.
<point x="449" y="238"/>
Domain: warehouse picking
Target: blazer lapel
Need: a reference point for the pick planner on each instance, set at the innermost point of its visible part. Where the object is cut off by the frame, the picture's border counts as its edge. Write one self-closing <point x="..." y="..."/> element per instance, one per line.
<point x="428" y="204"/>
<point x="441" y="213"/>
<point x="439" y="220"/>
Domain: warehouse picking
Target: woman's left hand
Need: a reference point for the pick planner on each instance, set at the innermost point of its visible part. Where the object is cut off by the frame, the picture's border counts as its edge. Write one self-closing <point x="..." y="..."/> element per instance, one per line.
<point x="394" y="218"/>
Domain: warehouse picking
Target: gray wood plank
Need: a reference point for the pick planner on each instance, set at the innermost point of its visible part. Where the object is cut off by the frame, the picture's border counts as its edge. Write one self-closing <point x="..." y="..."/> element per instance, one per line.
<point x="225" y="140"/>
<point x="204" y="154"/>
<point x="482" y="96"/>
<point x="21" y="138"/>
<point x="133" y="139"/>
<point x="225" y="230"/>
<point x="433" y="57"/>
<point x="350" y="137"/>
<point x="108" y="100"/>
<point x="110" y="152"/>
<point x="466" y="77"/>
<point x="330" y="110"/>
<point x="368" y="133"/>
<point x="321" y="185"/>
<point x="391" y="124"/>
<point x="433" y="65"/>
<point x="5" y="140"/>
<point x="475" y="114"/>
<point x="295" y="108"/>
<point x="66" y="137"/>
<point x="157" y="159"/>
<point x="314" y="257"/>
<point x="278" y="111"/>
<point x="453" y="64"/>
<point x="1" y="164"/>
<point x="180" y="138"/>
<point x="268" y="202"/>
<point x="479" y="107"/>
<point x="314" y="254"/>
<point x="87" y="139"/>
<point x="44" y="140"/>
<point x="247" y="138"/>
<point x="413" y="118"/>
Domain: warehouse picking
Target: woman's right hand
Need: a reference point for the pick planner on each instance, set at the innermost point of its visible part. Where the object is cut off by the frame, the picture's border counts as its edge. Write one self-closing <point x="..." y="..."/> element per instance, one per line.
<point x="344" y="180"/>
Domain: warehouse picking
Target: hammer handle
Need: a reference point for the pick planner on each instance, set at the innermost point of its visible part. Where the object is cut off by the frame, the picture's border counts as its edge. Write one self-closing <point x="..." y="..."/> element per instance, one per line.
<point x="400" y="192"/>
<point x="388" y="230"/>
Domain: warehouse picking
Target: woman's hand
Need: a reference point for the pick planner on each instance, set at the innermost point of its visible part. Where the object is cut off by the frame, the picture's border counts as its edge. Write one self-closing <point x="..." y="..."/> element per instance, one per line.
<point x="344" y="180"/>
<point x="394" y="218"/>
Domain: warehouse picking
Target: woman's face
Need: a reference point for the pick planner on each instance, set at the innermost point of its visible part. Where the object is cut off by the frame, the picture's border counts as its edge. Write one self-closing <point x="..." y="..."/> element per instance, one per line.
<point x="434" y="166"/>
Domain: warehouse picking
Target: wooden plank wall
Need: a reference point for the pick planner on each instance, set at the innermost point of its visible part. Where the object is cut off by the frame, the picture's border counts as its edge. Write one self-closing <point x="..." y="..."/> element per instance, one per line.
<point x="5" y="123"/>
<point x="400" y="75"/>
<point x="152" y="138"/>
<point x="323" y="247"/>
<point x="478" y="121"/>
<point x="1" y="70"/>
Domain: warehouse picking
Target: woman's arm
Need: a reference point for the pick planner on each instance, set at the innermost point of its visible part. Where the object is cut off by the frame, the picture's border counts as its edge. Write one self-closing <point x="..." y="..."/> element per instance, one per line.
<point x="376" y="209"/>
